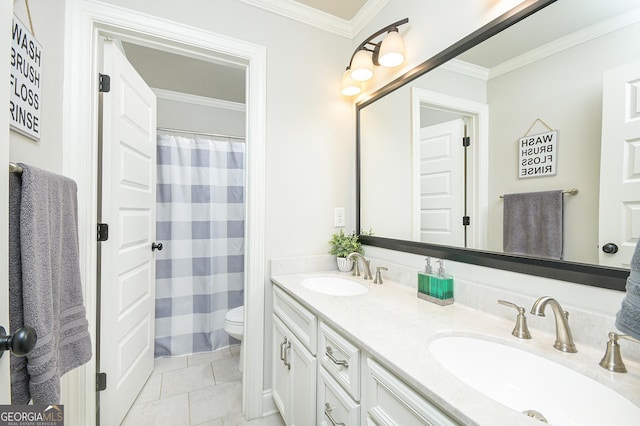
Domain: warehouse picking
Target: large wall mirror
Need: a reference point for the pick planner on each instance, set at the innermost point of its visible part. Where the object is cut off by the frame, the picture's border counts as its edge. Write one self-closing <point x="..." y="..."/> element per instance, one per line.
<point x="565" y="68"/>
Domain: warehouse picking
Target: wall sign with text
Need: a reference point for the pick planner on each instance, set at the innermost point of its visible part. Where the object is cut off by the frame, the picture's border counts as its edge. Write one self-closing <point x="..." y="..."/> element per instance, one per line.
<point x="26" y="75"/>
<point x="538" y="155"/>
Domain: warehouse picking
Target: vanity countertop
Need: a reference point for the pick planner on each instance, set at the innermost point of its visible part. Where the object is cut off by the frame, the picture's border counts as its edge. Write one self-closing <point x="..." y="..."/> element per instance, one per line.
<point x="395" y="327"/>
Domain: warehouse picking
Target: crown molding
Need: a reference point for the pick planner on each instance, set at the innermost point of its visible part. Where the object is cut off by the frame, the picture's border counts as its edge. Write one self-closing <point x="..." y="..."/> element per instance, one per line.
<point x="170" y="95"/>
<point x="566" y="42"/>
<point x="544" y="51"/>
<point x="466" y="68"/>
<point x="370" y="9"/>
<point x="319" y="19"/>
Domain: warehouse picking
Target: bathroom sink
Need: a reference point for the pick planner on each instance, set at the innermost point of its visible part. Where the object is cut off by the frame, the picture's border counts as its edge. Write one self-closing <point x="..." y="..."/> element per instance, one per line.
<point x="334" y="286"/>
<point x="524" y="381"/>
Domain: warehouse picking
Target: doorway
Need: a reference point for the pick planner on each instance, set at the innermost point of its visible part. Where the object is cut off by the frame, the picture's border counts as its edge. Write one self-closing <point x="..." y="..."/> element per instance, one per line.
<point x="87" y="23"/>
<point x="471" y="121"/>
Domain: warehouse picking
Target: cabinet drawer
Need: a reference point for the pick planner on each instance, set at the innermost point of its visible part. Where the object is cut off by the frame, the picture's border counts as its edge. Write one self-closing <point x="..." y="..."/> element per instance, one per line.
<point x="302" y="323"/>
<point x="335" y="406"/>
<point x="390" y="402"/>
<point x="345" y="365"/>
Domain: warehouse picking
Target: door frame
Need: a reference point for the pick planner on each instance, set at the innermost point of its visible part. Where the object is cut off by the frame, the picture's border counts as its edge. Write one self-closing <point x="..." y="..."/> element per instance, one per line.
<point x="85" y="22"/>
<point x="478" y="167"/>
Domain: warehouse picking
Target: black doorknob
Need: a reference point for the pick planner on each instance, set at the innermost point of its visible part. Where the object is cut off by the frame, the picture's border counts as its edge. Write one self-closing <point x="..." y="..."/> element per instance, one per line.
<point x="20" y="343"/>
<point x="156" y="246"/>
<point x="610" y="248"/>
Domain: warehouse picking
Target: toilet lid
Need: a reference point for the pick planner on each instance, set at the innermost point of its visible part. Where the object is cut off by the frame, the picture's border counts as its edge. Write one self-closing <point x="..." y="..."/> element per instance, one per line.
<point x="236" y="314"/>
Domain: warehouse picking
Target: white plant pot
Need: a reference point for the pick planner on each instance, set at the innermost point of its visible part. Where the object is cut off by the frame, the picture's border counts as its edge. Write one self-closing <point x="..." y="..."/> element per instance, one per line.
<point x="344" y="264"/>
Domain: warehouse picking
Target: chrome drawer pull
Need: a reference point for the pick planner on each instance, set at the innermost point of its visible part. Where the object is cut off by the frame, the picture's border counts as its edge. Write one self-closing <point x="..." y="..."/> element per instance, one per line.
<point x="327" y="412"/>
<point x="329" y="354"/>
<point x="282" y="354"/>
<point x="286" y="361"/>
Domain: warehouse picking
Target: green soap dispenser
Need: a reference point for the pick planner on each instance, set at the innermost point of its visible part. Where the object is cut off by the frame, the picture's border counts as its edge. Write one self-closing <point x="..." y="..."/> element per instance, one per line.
<point x="424" y="278"/>
<point x="441" y="287"/>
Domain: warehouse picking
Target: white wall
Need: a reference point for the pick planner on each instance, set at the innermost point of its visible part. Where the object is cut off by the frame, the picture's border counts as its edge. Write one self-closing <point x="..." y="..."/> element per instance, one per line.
<point x="200" y="118"/>
<point x="48" y="25"/>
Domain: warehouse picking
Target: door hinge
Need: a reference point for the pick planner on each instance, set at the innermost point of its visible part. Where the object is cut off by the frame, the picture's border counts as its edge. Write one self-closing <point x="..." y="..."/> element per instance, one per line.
<point x="101" y="381"/>
<point x="104" y="85"/>
<point x="466" y="220"/>
<point x="103" y="232"/>
<point x="466" y="141"/>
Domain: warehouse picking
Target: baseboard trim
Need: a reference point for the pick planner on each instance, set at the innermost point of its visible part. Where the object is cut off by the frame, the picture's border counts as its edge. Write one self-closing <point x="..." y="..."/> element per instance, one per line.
<point x="268" y="405"/>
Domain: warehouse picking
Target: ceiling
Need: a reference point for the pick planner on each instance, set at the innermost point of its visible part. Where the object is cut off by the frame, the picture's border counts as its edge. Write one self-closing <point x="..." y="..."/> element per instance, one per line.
<point x="343" y="17"/>
<point x="344" y="9"/>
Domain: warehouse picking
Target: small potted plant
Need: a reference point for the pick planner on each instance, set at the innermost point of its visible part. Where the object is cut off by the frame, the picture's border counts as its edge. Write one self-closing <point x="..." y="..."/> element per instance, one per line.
<point x="341" y="245"/>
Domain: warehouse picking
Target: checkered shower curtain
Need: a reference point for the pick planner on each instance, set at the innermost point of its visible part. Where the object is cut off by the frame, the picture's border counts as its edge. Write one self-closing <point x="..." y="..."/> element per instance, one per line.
<point x="200" y="222"/>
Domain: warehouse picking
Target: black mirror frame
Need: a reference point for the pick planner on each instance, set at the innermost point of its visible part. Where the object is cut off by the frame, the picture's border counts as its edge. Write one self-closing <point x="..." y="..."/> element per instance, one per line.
<point x="591" y="275"/>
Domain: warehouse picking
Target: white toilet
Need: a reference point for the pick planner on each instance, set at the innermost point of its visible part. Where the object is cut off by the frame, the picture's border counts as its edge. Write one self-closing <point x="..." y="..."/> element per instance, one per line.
<point x="234" y="326"/>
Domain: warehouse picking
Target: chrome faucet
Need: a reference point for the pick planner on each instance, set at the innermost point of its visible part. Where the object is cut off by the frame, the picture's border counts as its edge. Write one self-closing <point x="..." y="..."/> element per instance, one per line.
<point x="365" y="262"/>
<point x="564" y="340"/>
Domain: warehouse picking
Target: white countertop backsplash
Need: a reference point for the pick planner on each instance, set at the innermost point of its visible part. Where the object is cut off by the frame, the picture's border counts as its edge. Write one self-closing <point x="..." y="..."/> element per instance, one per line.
<point x="396" y="327"/>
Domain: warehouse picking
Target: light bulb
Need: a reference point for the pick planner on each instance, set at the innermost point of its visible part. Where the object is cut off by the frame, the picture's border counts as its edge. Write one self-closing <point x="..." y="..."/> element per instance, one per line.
<point x="348" y="86"/>
<point x="361" y="66"/>
<point x="392" y="50"/>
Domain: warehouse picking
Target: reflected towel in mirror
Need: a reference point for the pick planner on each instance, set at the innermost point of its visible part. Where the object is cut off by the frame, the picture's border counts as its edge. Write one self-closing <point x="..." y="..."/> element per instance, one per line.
<point x="533" y="224"/>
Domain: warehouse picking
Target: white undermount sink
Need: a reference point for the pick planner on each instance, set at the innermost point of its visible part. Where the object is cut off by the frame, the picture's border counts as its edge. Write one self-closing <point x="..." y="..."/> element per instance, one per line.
<point x="334" y="286"/>
<point x="524" y="381"/>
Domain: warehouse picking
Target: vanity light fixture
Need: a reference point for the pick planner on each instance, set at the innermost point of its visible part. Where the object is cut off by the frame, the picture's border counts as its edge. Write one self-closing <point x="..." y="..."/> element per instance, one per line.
<point x="389" y="53"/>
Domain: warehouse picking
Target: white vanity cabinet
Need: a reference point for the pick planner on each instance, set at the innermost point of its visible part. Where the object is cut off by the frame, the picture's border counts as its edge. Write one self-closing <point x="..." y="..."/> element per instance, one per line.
<point x="335" y="406"/>
<point x="390" y="402"/>
<point x="294" y="361"/>
<point x="321" y="377"/>
<point x="338" y="379"/>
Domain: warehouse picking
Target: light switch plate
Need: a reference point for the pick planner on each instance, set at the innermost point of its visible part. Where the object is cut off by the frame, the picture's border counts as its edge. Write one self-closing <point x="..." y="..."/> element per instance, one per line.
<point x="338" y="217"/>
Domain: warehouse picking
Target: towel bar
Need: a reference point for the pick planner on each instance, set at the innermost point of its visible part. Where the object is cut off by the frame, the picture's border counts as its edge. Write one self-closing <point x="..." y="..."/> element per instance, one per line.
<point x="572" y="191"/>
<point x="14" y="168"/>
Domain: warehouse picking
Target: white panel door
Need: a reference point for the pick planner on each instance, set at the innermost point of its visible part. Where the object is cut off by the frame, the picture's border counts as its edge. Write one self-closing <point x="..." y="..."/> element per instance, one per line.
<point x="620" y="165"/>
<point x="441" y="183"/>
<point x="6" y="13"/>
<point x="127" y="296"/>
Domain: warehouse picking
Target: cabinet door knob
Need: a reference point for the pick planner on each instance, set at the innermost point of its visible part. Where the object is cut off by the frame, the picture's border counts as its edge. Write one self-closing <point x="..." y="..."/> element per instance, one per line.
<point x="20" y="343"/>
<point x="610" y="248"/>
<point x="156" y="246"/>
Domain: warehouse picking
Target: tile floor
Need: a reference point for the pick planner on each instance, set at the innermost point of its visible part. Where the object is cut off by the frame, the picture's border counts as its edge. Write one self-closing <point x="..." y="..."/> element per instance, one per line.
<point x="197" y="390"/>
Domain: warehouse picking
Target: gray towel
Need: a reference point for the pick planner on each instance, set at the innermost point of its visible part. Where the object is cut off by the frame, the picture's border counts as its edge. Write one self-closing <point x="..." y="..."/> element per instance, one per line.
<point x="628" y="317"/>
<point x="532" y="224"/>
<point x="52" y="301"/>
<point x="19" y="375"/>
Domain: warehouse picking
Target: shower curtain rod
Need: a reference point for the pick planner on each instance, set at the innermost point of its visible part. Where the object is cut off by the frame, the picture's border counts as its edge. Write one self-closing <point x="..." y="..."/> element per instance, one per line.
<point x="191" y="132"/>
